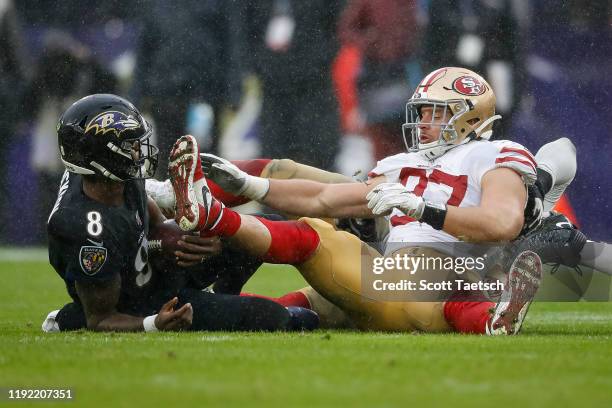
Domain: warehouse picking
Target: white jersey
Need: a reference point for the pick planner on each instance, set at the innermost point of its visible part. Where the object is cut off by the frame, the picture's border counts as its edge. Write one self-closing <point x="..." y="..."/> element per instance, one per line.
<point x="453" y="178"/>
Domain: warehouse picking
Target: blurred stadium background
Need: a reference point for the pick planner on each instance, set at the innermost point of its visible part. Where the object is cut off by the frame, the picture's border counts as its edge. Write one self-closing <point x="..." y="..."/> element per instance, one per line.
<point x="322" y="82"/>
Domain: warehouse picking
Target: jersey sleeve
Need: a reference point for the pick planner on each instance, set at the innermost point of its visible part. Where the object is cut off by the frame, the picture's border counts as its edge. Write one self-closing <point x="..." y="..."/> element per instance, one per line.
<point x="81" y="255"/>
<point x="506" y="154"/>
<point x="390" y="167"/>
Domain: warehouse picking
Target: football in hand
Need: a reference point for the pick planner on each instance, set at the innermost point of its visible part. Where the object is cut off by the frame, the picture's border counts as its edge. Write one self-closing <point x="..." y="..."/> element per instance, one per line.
<point x="164" y="237"/>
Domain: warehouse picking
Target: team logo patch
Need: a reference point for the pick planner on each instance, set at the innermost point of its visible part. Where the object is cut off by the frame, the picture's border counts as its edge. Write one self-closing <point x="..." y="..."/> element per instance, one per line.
<point x="92" y="259"/>
<point x="112" y="121"/>
<point x="468" y="85"/>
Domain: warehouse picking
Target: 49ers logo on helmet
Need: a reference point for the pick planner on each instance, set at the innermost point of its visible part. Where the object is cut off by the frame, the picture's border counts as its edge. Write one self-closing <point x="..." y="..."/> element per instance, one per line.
<point x="468" y="85"/>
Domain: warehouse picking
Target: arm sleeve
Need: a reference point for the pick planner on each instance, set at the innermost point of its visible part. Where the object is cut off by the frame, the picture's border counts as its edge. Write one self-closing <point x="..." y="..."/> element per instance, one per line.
<point x="389" y="167"/>
<point x="506" y="154"/>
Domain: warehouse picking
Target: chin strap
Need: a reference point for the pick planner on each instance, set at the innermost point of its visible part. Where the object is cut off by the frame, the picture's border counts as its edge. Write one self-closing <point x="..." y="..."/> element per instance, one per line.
<point x="486" y="135"/>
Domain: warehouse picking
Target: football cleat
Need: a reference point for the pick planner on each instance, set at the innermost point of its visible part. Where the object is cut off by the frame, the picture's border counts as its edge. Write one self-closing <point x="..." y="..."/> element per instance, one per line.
<point x="557" y="241"/>
<point x="183" y="162"/>
<point x="303" y="319"/>
<point x="50" y="324"/>
<point x="195" y="207"/>
<point x="519" y="291"/>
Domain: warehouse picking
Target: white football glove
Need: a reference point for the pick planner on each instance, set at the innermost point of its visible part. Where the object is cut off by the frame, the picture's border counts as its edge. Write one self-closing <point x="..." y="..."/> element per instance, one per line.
<point x="233" y="180"/>
<point x="386" y="196"/>
<point x="163" y="194"/>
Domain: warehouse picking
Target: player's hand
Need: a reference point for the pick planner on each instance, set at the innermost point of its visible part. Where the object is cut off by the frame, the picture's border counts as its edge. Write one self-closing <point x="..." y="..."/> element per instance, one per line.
<point x="386" y="196"/>
<point x="231" y="179"/>
<point x="196" y="249"/>
<point x="534" y="209"/>
<point x="175" y="320"/>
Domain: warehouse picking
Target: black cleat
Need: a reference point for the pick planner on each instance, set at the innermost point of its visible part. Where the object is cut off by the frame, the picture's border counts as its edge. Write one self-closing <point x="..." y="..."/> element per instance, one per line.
<point x="302" y="319"/>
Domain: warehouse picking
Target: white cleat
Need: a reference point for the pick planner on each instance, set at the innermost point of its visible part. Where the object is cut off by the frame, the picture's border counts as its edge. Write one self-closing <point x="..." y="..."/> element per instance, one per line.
<point x="50" y="324"/>
<point x="183" y="161"/>
<point x="521" y="286"/>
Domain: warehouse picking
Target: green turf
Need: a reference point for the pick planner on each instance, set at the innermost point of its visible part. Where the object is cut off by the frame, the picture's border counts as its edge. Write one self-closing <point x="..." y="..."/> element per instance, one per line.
<point x="563" y="358"/>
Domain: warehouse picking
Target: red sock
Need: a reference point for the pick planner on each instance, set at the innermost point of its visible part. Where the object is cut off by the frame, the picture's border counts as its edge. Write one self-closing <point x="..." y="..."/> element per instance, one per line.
<point x="290" y="299"/>
<point x="296" y="298"/>
<point x="223" y="221"/>
<point x="293" y="242"/>
<point x="468" y="316"/>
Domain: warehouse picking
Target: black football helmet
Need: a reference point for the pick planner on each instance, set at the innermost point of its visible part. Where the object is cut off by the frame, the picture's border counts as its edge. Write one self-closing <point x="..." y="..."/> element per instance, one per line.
<point x="105" y="134"/>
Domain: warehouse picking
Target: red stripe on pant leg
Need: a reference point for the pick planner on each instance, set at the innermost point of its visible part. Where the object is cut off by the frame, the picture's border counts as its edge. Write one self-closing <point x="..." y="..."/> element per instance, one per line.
<point x="293" y="242"/>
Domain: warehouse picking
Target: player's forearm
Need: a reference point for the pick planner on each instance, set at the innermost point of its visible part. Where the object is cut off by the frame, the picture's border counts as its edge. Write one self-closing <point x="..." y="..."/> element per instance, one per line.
<point x="298" y="197"/>
<point x="313" y="199"/>
<point x="477" y="224"/>
<point x="115" y="322"/>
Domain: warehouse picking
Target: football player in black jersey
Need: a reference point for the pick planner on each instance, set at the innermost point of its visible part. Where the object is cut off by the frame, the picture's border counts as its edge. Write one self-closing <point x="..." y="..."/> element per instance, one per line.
<point x="98" y="236"/>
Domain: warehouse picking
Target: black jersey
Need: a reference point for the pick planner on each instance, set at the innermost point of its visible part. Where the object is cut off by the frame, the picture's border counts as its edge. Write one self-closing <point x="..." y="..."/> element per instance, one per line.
<point x="91" y="241"/>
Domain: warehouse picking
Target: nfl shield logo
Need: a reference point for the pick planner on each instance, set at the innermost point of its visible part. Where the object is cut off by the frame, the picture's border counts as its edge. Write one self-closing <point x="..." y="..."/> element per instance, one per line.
<point x="92" y="259"/>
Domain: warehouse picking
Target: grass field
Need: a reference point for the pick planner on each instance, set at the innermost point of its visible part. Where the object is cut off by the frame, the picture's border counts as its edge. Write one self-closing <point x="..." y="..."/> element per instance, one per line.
<point x="563" y="358"/>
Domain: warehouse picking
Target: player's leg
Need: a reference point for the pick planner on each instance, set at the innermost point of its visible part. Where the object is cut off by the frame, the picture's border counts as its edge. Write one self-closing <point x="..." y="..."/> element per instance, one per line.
<point x="68" y="318"/>
<point x="556" y="169"/>
<point x="471" y="313"/>
<point x="235" y="313"/>
<point x="329" y="260"/>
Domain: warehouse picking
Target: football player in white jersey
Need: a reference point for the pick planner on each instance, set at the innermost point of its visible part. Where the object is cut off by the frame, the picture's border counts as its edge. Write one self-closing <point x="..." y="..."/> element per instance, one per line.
<point x="452" y="184"/>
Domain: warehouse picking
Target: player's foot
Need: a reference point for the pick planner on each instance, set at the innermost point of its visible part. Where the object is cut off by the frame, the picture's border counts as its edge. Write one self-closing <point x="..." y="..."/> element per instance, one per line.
<point x="557" y="241"/>
<point x="183" y="162"/>
<point x="50" y="324"/>
<point x="301" y="318"/>
<point x="520" y="289"/>
<point x="195" y="208"/>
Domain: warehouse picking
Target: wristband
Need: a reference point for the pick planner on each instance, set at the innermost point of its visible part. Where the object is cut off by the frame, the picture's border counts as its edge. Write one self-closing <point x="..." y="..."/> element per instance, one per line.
<point x="256" y="188"/>
<point x="434" y="215"/>
<point x="149" y="323"/>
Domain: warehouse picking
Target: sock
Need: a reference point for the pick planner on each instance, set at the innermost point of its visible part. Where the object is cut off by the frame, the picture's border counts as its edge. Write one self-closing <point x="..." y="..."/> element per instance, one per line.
<point x="293" y="242"/>
<point x="296" y="298"/>
<point x="468" y="316"/>
<point x="224" y="222"/>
